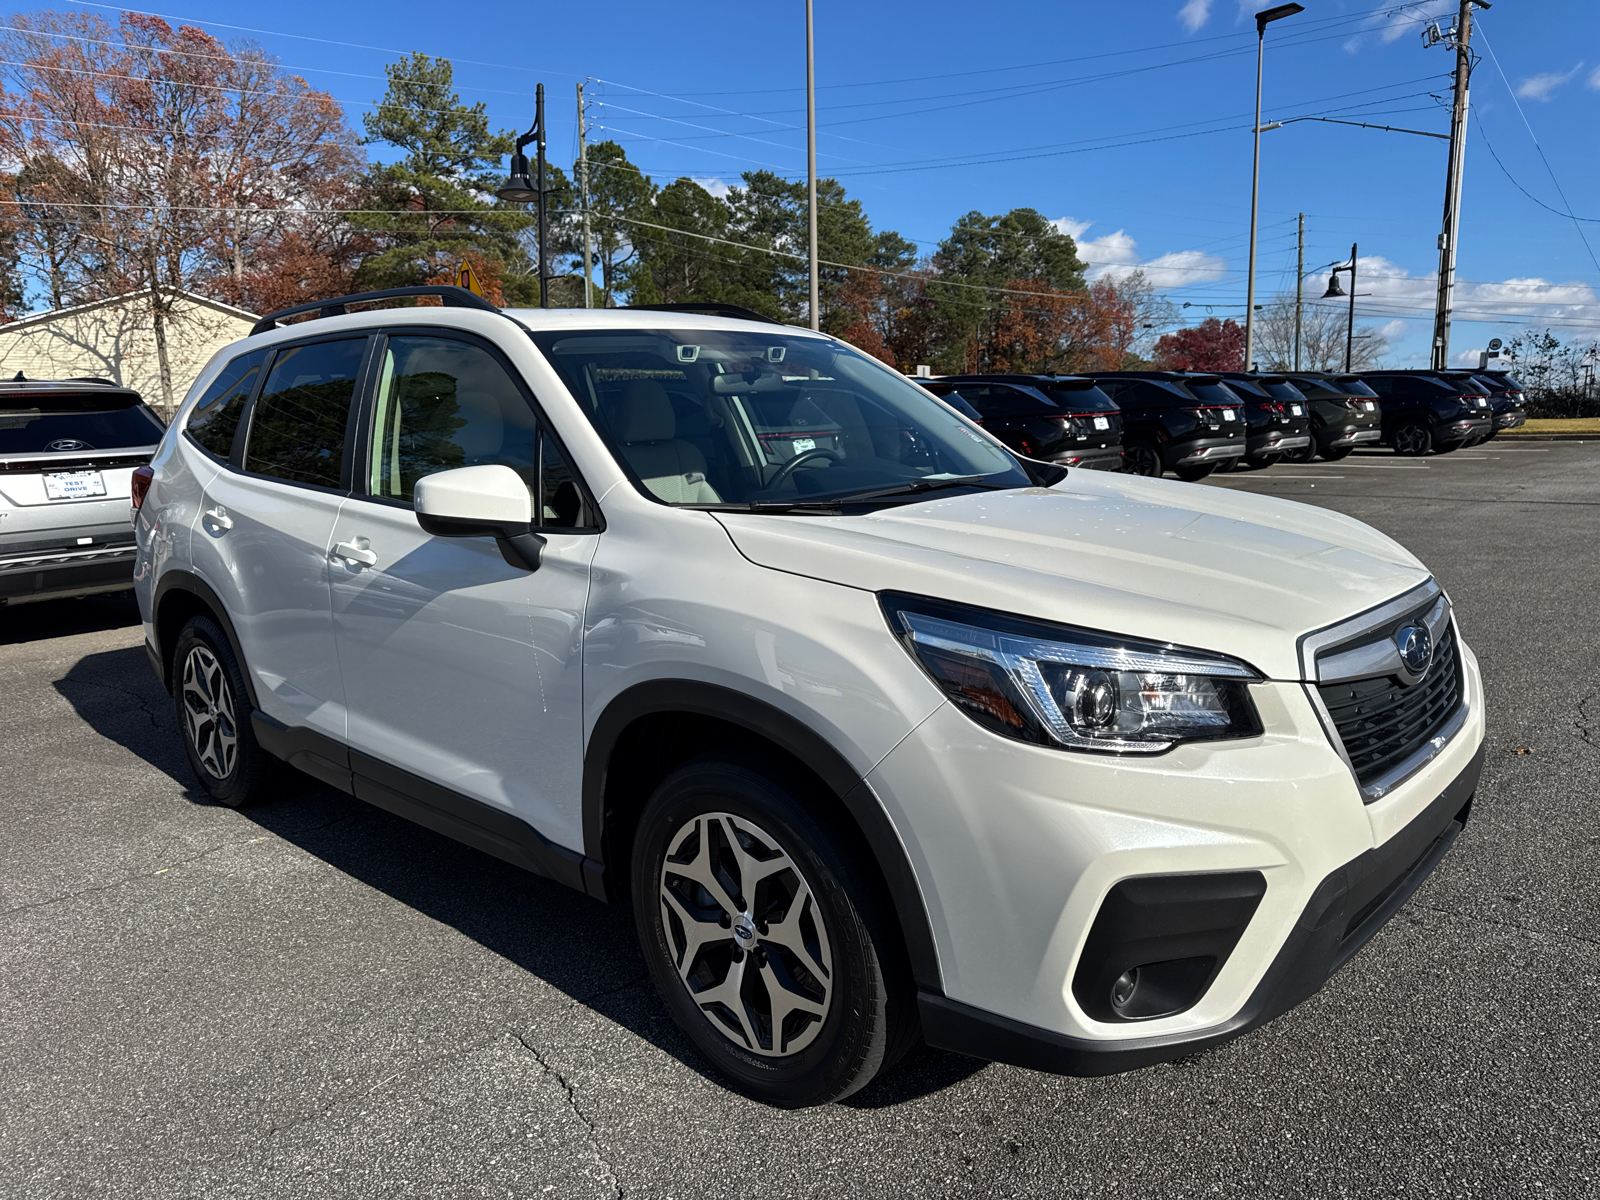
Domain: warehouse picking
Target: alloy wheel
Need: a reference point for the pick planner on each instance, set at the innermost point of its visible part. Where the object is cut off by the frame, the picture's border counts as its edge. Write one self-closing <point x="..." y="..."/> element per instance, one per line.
<point x="208" y="713"/>
<point x="745" y="934"/>
<point x="1144" y="460"/>
<point x="1411" y="440"/>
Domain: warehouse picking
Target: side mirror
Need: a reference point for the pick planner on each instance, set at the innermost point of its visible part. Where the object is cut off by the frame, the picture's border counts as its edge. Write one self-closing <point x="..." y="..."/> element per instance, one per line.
<point x="487" y="501"/>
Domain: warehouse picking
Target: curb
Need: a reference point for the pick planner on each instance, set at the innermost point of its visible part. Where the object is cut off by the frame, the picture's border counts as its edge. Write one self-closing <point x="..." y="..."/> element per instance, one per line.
<point x="1546" y="437"/>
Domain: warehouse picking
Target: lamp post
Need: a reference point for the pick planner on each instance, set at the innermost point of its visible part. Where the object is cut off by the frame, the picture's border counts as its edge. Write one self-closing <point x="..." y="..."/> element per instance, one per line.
<point x="811" y="166"/>
<point x="1263" y="18"/>
<point x="1333" y="292"/>
<point x="519" y="188"/>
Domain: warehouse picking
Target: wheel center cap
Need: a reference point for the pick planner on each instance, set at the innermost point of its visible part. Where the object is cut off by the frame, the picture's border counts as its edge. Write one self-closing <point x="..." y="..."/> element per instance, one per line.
<point x="744" y="932"/>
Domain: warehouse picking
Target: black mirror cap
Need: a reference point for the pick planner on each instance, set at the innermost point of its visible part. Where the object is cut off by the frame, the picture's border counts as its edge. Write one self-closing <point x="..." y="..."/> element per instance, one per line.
<point x="518" y="544"/>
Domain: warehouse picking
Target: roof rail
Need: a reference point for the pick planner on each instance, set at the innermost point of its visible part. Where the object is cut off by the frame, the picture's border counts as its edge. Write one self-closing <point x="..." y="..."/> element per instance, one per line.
<point x="708" y="310"/>
<point x="453" y="297"/>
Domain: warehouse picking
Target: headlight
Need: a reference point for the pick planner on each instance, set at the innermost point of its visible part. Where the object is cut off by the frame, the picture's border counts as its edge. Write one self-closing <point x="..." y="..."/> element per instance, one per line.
<point x="1059" y="686"/>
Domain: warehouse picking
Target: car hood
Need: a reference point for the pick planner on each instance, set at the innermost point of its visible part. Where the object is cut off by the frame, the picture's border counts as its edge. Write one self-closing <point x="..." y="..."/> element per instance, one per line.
<point x="1232" y="572"/>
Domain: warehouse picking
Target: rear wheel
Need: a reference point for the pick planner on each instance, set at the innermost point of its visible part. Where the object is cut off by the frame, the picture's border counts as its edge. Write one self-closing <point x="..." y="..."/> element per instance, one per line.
<point x="1413" y="439"/>
<point x="765" y="937"/>
<point x="1194" y="474"/>
<point x="1335" y="455"/>
<point x="1261" y="461"/>
<point x="213" y="712"/>
<point x="1301" y="454"/>
<point x="1142" y="458"/>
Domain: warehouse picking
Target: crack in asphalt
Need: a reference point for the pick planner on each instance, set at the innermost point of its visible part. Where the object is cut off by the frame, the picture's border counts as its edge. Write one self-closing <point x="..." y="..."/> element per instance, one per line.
<point x="1488" y="920"/>
<point x="1585" y="724"/>
<point x="572" y="1103"/>
<point x="155" y="714"/>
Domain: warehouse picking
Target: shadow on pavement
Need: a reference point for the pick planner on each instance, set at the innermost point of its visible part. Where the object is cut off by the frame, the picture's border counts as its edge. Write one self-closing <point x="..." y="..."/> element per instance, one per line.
<point x="585" y="949"/>
<point x="64" y="618"/>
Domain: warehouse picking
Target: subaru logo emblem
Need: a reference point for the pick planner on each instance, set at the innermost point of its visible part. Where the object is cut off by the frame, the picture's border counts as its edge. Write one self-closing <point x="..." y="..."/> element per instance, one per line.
<point x="67" y="444"/>
<point x="1416" y="648"/>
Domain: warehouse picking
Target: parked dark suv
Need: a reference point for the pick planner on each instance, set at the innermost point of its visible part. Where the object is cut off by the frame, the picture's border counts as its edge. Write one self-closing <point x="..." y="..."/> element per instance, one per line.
<point x="69" y="450"/>
<point x="1345" y="414"/>
<point x="1175" y="421"/>
<point x="1423" y="411"/>
<point x="1062" y="419"/>
<point x="1275" y="414"/>
<point x="1506" y="399"/>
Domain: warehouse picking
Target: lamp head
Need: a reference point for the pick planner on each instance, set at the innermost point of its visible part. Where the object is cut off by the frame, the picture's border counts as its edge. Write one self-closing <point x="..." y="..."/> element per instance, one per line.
<point x="519" y="187"/>
<point x="1334" y="290"/>
<point x="1268" y="15"/>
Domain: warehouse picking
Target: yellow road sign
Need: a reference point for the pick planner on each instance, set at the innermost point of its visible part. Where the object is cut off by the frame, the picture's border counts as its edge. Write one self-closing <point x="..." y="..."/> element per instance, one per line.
<point x="466" y="277"/>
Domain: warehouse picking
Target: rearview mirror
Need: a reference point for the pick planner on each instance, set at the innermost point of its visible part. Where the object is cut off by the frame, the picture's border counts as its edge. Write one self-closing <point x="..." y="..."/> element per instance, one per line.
<point x="490" y="501"/>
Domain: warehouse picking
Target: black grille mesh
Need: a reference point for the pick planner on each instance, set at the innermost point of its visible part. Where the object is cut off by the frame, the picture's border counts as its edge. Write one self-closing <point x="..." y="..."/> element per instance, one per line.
<point x="1381" y="721"/>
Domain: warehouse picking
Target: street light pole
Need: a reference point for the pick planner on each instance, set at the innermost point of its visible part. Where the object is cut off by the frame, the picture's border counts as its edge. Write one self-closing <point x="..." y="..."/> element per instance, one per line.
<point x="1299" y="285"/>
<point x="1263" y="19"/>
<point x="1350" y="322"/>
<point x="544" y="258"/>
<point x="811" y="164"/>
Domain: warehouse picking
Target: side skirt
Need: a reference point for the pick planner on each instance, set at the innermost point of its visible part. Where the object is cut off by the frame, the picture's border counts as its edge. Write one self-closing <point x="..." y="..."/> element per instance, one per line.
<point x="469" y="821"/>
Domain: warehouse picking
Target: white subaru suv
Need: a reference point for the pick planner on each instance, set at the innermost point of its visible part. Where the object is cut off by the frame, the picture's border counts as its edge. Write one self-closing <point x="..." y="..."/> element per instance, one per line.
<point x="883" y="732"/>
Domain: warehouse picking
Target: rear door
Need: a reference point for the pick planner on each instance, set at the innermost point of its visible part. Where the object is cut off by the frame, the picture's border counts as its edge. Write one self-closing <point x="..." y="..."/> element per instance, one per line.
<point x="266" y="524"/>
<point x="458" y="668"/>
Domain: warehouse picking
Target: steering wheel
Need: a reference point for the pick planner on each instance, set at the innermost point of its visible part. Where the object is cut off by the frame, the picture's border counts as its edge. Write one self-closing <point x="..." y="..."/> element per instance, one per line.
<point x="788" y="468"/>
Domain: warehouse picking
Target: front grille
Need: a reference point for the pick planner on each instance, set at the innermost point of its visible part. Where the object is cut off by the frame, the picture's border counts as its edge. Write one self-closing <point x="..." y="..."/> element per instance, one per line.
<point x="1382" y="722"/>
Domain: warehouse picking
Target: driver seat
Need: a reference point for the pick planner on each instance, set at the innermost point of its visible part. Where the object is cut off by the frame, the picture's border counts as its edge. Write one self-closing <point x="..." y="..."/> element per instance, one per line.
<point x="672" y="468"/>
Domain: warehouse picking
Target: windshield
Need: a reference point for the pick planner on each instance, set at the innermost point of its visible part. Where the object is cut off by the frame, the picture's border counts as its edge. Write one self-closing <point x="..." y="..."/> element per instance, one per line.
<point x="35" y="424"/>
<point x="723" y="417"/>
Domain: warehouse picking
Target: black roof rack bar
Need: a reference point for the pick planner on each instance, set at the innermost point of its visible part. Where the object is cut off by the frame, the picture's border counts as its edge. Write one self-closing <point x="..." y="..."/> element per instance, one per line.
<point x="708" y="310"/>
<point x="453" y="297"/>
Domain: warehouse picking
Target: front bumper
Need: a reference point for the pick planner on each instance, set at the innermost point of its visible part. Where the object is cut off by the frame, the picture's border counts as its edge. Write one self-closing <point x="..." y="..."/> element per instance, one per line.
<point x="1017" y="848"/>
<point x="1347" y="908"/>
<point x="54" y="574"/>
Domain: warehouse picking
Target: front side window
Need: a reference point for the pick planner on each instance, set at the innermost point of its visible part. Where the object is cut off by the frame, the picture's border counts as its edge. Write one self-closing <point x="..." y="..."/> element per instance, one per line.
<point x="215" y="418"/>
<point x="444" y="403"/>
<point x="723" y="417"/>
<point x="297" y="431"/>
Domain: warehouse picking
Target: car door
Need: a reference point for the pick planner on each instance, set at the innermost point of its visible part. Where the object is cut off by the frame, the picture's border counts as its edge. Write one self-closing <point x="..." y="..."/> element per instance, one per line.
<point x="266" y="519"/>
<point x="460" y="669"/>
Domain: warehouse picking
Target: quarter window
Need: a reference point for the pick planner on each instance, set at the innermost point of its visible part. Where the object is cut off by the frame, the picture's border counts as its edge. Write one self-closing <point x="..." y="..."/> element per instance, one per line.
<point x="297" y="431"/>
<point x="215" y="418"/>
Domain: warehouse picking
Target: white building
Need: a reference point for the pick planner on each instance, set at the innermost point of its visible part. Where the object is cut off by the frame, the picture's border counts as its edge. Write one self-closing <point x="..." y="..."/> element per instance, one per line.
<point x="115" y="339"/>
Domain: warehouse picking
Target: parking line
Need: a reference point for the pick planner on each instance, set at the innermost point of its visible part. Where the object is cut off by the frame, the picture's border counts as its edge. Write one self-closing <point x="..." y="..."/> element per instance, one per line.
<point x="1386" y="466"/>
<point x="1283" y="475"/>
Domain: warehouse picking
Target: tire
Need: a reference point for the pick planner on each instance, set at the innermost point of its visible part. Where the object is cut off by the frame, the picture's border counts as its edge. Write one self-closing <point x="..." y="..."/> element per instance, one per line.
<point x="1412" y="440"/>
<point x="1335" y="455"/>
<point x="1301" y="454"/>
<point x="837" y="962"/>
<point x="212" y="708"/>
<point x="1194" y="474"/>
<point x="1259" y="463"/>
<point x="1142" y="458"/>
<point x="1451" y="448"/>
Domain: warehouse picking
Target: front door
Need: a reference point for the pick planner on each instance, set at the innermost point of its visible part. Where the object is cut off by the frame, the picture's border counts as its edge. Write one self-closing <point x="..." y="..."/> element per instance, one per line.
<point x="459" y="668"/>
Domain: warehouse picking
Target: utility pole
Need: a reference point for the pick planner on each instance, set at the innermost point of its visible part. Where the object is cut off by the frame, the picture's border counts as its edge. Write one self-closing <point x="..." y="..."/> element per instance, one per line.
<point x="544" y="258"/>
<point x="1459" y="39"/>
<point x="811" y="164"/>
<point x="1299" y="285"/>
<point x="583" y="185"/>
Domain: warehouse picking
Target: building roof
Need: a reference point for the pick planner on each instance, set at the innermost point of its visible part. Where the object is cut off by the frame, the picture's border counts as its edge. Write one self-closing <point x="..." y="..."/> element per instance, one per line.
<point x="56" y="314"/>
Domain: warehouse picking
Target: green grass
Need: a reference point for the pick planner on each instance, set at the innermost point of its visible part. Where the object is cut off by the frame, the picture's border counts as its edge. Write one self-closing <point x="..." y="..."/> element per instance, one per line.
<point x="1556" y="425"/>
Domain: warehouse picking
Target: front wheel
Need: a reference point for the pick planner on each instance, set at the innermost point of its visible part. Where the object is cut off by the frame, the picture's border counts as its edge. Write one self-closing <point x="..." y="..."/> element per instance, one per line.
<point x="213" y="712"/>
<point x="765" y="937"/>
<point x="1413" y="439"/>
<point x="1194" y="474"/>
<point x="1142" y="458"/>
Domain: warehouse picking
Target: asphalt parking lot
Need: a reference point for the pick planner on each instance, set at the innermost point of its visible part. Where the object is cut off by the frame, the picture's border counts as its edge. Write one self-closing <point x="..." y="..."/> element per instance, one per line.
<point x="314" y="998"/>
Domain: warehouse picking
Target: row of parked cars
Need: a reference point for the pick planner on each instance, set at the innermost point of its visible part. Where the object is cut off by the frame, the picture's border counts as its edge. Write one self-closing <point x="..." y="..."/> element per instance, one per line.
<point x="1193" y="423"/>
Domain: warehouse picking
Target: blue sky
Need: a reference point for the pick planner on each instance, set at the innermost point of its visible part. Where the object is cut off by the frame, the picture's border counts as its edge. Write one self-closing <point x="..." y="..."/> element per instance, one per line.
<point x="1127" y="122"/>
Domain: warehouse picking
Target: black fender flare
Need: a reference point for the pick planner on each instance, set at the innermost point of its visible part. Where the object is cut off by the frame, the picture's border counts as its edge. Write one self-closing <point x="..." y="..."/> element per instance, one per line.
<point x="811" y="748"/>
<point x="187" y="581"/>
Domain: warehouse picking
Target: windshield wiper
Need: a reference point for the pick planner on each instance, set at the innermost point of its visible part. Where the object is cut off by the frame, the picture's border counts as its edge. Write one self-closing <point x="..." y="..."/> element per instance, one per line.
<point x="917" y="486"/>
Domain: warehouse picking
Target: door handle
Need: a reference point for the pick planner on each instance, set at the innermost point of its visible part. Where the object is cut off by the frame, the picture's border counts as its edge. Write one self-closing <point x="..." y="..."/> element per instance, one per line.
<point x="355" y="554"/>
<point x="219" y="517"/>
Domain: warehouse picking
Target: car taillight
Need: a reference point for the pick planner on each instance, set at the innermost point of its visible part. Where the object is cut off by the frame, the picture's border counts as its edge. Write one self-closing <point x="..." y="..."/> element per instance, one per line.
<point x="140" y="484"/>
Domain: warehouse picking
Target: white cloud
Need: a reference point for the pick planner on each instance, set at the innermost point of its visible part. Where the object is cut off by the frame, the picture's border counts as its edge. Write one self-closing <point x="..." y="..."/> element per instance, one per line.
<point x="1194" y="14"/>
<point x="1390" y="330"/>
<point x="1113" y="255"/>
<point x="711" y="184"/>
<point x="1468" y="358"/>
<point x="1406" y="20"/>
<point x="1593" y="82"/>
<point x="1543" y="85"/>
<point x="1072" y="228"/>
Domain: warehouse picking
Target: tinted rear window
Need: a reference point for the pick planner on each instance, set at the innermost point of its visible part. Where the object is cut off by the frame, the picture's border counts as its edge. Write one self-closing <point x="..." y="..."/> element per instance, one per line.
<point x="1215" y="394"/>
<point x="297" y="430"/>
<point x="1090" y="399"/>
<point x="32" y="424"/>
<point x="1285" y="393"/>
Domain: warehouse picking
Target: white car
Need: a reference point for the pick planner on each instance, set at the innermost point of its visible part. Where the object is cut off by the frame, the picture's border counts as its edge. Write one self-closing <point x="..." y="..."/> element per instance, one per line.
<point x="883" y="731"/>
